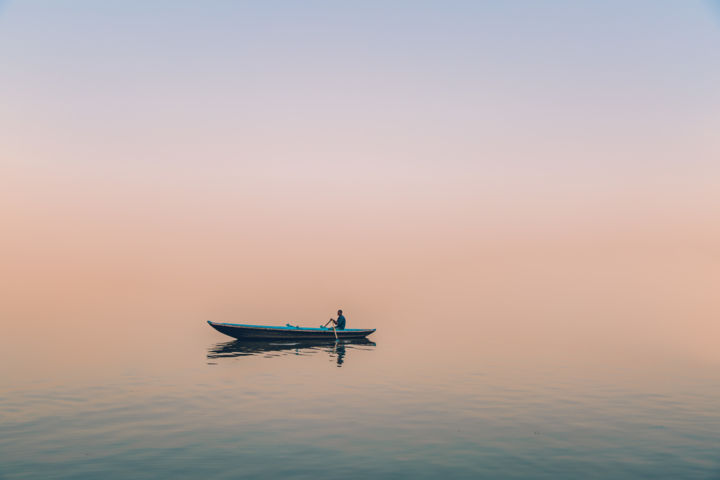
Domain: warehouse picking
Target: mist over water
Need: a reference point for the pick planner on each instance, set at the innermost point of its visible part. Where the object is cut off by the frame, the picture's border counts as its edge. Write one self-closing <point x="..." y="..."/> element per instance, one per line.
<point x="526" y="339"/>
<point x="540" y="357"/>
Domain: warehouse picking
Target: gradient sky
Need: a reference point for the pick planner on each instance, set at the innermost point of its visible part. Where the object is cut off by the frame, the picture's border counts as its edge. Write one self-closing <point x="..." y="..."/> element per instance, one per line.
<point x="335" y="152"/>
<point x="409" y="91"/>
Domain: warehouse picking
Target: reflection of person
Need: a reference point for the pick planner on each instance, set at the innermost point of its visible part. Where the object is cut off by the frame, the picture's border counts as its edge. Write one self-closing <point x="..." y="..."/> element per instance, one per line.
<point x="339" y="323"/>
<point x="339" y="353"/>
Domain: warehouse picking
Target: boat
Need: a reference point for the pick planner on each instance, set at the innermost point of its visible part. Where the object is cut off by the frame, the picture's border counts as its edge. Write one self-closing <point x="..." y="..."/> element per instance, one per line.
<point x="265" y="332"/>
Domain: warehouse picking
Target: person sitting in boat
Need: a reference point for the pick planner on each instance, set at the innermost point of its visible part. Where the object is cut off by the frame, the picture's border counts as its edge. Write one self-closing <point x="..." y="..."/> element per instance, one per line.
<point x="339" y="323"/>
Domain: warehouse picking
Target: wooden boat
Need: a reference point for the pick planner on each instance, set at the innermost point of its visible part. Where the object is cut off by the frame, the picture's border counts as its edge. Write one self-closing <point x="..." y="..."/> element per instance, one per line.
<point x="262" y="332"/>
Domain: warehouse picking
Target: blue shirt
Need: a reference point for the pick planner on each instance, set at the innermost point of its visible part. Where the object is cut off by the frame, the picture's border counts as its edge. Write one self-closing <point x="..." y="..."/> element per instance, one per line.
<point x="341" y="322"/>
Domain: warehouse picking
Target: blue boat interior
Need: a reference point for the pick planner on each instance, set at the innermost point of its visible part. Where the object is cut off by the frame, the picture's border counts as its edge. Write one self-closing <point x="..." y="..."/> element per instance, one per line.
<point x="289" y="327"/>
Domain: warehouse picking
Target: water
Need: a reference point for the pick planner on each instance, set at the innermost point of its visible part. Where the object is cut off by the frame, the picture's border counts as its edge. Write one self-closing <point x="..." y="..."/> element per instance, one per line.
<point x="186" y="402"/>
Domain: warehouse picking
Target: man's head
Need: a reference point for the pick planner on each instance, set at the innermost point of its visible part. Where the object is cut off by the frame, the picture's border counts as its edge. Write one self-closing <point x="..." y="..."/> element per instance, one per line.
<point x="339" y="312"/>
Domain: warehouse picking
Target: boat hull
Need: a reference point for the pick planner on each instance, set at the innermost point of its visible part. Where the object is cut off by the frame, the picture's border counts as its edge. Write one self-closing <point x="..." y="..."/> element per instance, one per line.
<point x="260" y="332"/>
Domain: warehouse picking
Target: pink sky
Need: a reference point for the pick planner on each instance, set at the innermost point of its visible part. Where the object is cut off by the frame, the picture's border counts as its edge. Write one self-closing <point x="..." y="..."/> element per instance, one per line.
<point x="549" y="171"/>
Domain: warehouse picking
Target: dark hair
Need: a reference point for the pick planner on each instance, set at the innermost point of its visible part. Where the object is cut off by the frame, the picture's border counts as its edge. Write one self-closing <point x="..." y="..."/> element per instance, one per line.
<point x="340" y="312"/>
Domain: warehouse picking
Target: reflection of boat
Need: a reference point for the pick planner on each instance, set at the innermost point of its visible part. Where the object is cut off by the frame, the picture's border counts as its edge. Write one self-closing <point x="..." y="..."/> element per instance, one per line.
<point x="244" y="348"/>
<point x="296" y="333"/>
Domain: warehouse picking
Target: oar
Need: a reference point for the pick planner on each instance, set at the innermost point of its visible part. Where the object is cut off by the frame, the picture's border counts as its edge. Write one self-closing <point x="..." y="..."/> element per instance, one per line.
<point x="333" y="327"/>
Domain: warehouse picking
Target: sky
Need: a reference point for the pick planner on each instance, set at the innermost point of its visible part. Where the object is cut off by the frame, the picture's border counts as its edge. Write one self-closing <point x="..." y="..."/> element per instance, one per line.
<point x="277" y="158"/>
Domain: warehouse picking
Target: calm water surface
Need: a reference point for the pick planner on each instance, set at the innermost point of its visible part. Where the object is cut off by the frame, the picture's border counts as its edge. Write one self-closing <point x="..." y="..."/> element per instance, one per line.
<point x="186" y="402"/>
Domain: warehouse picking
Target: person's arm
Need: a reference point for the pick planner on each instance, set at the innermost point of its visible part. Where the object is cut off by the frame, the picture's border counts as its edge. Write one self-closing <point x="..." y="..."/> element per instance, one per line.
<point x="331" y="320"/>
